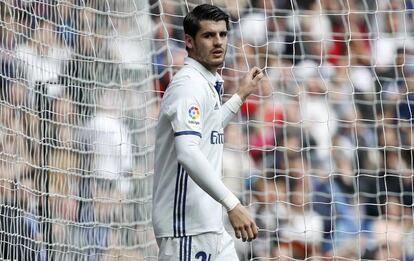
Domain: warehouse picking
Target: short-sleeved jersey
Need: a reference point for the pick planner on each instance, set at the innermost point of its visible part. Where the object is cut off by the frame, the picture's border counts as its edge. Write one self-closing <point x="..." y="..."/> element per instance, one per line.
<point x="190" y="106"/>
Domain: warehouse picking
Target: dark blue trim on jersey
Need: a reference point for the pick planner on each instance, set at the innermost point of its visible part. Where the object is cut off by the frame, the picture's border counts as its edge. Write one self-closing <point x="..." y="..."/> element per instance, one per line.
<point x="180" y="197"/>
<point x="175" y="201"/>
<point x="185" y="248"/>
<point x="181" y="249"/>
<point x="184" y="200"/>
<point x="178" y="205"/>
<point x="180" y="133"/>
<point x="189" y="247"/>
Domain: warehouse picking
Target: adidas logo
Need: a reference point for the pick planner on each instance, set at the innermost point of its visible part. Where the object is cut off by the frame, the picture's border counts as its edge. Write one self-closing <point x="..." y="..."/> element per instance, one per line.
<point x="216" y="107"/>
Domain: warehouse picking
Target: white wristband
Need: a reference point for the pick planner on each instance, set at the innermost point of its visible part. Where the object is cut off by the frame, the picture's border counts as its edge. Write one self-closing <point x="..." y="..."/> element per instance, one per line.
<point x="234" y="103"/>
<point x="230" y="201"/>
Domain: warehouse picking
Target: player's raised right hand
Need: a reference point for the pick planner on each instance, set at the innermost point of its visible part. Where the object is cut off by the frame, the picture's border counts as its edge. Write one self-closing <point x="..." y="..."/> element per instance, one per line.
<point x="243" y="224"/>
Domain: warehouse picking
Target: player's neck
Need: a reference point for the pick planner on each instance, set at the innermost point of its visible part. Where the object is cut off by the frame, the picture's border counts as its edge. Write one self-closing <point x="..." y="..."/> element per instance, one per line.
<point x="210" y="68"/>
<point x="213" y="70"/>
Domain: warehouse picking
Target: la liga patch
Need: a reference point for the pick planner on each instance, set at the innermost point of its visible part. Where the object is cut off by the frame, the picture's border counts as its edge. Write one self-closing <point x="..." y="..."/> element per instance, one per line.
<point x="194" y="115"/>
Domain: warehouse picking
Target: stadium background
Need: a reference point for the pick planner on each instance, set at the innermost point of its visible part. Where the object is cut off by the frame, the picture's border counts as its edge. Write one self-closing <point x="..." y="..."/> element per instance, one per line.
<point x="322" y="155"/>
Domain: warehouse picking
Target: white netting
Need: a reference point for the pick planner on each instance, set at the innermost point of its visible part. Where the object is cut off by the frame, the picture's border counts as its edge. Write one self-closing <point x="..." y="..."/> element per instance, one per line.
<point x="322" y="155"/>
<point x="77" y="118"/>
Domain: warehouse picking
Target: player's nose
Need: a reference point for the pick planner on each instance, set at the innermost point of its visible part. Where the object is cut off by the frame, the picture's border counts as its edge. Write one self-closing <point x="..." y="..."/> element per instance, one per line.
<point x="218" y="40"/>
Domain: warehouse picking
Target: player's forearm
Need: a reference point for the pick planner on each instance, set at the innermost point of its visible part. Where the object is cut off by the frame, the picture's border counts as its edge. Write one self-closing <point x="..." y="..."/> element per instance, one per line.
<point x="201" y="171"/>
<point x="230" y="108"/>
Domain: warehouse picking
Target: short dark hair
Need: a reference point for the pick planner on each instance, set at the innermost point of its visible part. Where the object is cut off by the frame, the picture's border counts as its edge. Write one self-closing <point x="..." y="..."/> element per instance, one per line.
<point x="203" y="12"/>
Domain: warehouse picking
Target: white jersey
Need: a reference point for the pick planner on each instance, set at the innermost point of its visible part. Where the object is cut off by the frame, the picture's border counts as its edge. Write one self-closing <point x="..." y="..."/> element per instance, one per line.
<point x="190" y="106"/>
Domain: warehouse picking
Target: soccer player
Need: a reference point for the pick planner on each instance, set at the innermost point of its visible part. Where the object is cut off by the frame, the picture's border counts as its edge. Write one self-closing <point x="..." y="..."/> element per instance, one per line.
<point x="188" y="193"/>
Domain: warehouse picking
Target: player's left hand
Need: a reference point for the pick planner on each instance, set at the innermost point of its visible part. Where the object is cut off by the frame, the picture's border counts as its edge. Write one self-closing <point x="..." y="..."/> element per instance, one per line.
<point x="250" y="83"/>
<point x="243" y="224"/>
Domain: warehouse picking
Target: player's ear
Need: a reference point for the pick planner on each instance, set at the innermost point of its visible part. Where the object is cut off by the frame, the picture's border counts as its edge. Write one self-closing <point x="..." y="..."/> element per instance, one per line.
<point x="189" y="41"/>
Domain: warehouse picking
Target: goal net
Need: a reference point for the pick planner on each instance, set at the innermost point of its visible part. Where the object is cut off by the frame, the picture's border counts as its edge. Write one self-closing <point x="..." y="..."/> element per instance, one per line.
<point x="78" y="112"/>
<point x="321" y="155"/>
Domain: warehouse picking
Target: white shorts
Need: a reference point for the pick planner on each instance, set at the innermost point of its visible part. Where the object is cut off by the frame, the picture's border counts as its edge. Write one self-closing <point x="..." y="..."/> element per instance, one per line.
<point x="203" y="247"/>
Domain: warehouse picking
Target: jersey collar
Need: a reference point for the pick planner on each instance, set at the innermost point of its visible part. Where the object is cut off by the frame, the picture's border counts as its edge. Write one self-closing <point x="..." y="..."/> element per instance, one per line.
<point x="211" y="79"/>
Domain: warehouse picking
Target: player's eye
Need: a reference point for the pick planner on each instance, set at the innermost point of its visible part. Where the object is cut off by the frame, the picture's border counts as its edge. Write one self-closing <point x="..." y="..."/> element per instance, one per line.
<point x="223" y="34"/>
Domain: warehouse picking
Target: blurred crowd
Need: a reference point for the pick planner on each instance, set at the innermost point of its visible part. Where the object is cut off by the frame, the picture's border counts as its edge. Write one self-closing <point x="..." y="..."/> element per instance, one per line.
<point x="322" y="155"/>
<point x="72" y="104"/>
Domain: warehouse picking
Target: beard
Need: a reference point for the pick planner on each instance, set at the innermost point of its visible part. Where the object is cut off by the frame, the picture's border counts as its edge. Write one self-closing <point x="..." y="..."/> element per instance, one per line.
<point x="215" y="61"/>
<point x="207" y="57"/>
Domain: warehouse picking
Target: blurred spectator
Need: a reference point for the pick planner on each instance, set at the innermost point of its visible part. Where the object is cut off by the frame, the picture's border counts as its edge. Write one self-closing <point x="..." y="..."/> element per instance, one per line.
<point x="385" y="179"/>
<point x="260" y="141"/>
<point x="42" y="57"/>
<point x="302" y="234"/>
<point x="405" y="111"/>
<point x="128" y="50"/>
<point x="387" y="232"/>
<point x="335" y="200"/>
<point x="318" y="117"/>
<point x="107" y="178"/>
<point x="110" y="141"/>
<point x="66" y="13"/>
<point x="256" y="21"/>
<point x="14" y="153"/>
<point x="271" y="208"/>
<point x="237" y="163"/>
<point x="317" y="30"/>
<point x="408" y="235"/>
<point x="341" y="91"/>
<point x="392" y="34"/>
<point x="19" y="220"/>
<point x="356" y="31"/>
<point x="64" y="162"/>
<point x="8" y="38"/>
<point x="168" y="41"/>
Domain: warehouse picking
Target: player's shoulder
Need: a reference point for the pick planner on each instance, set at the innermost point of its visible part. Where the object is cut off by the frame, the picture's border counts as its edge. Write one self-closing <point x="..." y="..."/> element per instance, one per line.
<point x="187" y="79"/>
<point x="191" y="71"/>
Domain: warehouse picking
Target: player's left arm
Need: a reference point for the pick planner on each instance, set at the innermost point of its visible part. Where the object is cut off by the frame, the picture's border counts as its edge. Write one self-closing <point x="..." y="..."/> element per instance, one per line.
<point x="201" y="172"/>
<point x="248" y="86"/>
